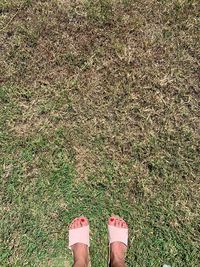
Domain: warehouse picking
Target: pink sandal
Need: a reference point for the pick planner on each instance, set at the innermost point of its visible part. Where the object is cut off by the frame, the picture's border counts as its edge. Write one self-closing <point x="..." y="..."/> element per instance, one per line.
<point x="79" y="235"/>
<point x="117" y="234"/>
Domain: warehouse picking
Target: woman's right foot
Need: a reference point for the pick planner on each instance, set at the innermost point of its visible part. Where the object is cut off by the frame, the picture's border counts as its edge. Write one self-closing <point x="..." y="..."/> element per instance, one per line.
<point x="118" y="248"/>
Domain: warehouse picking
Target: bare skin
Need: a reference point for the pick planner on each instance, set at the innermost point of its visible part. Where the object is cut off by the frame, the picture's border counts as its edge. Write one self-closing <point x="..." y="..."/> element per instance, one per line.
<point x="117" y="249"/>
<point x="80" y="251"/>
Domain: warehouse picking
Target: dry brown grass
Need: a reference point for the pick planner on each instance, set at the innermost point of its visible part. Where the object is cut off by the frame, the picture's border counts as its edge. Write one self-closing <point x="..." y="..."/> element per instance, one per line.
<point x="129" y="71"/>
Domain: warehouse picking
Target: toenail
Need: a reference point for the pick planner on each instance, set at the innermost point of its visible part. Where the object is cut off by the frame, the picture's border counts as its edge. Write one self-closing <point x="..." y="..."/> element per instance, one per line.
<point x="82" y="220"/>
<point x="112" y="219"/>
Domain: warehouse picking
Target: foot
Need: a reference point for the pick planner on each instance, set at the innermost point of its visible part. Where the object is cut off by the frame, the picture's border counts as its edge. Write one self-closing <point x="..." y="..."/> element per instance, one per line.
<point x="117" y="249"/>
<point x="80" y="250"/>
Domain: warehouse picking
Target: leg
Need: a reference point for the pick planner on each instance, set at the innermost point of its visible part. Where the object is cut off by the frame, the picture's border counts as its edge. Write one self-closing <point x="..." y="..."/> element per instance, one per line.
<point x="117" y="255"/>
<point x="80" y="253"/>
<point x="80" y="250"/>
<point x="117" y="249"/>
<point x="118" y="264"/>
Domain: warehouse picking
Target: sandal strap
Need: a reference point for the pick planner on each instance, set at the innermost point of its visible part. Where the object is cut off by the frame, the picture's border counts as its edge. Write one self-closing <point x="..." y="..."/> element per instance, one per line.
<point x="79" y="235"/>
<point x="118" y="234"/>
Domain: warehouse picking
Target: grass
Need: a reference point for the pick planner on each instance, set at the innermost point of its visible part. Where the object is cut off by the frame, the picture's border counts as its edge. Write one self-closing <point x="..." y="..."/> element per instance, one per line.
<point x="99" y="115"/>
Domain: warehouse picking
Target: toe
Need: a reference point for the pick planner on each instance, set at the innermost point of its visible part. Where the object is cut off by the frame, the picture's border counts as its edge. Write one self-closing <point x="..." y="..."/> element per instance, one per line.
<point x="75" y="223"/>
<point x="72" y="225"/>
<point x="118" y="223"/>
<point x="84" y="221"/>
<point x="123" y="225"/>
<point x="112" y="221"/>
<point x="121" y="222"/>
<point x="78" y="223"/>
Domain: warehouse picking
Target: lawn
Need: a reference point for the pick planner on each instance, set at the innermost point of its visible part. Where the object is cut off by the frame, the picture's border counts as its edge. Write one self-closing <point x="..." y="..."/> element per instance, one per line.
<point x="99" y="115"/>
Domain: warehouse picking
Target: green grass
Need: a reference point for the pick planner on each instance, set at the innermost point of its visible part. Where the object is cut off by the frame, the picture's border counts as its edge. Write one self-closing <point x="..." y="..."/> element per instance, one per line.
<point x="99" y="115"/>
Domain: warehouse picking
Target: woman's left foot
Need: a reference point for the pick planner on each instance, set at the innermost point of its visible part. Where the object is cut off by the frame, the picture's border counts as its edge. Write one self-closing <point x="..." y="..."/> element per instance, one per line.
<point x="80" y="250"/>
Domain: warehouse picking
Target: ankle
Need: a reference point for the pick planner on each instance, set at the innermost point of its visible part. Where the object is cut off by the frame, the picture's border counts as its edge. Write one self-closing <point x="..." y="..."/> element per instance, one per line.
<point x="82" y="259"/>
<point x="80" y="262"/>
<point x="117" y="263"/>
<point x="117" y="256"/>
<point x="80" y="252"/>
<point x="117" y="259"/>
